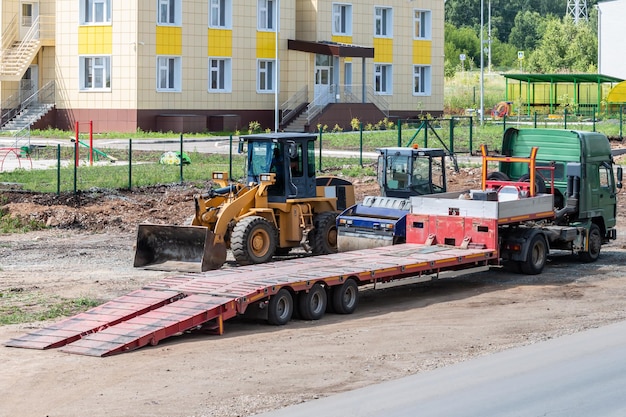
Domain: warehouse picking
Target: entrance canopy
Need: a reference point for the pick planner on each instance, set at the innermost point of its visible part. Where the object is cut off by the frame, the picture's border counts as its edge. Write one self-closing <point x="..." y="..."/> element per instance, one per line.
<point x="584" y="91"/>
<point x="331" y="48"/>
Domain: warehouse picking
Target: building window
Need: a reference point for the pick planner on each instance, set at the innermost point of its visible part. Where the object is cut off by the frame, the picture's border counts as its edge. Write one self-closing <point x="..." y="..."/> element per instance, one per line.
<point x="220" y="14"/>
<point x="266" y="14"/>
<point x="95" y="12"/>
<point x="421" y="80"/>
<point x="342" y="19"/>
<point x="265" y="76"/>
<point x="421" y="24"/>
<point x="95" y="73"/>
<point x="220" y="75"/>
<point x="382" y="78"/>
<point x="169" y="73"/>
<point x="169" y="12"/>
<point x="383" y="22"/>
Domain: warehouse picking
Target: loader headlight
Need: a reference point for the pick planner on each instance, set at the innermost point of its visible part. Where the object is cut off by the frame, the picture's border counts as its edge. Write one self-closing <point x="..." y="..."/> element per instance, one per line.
<point x="265" y="177"/>
<point x="218" y="175"/>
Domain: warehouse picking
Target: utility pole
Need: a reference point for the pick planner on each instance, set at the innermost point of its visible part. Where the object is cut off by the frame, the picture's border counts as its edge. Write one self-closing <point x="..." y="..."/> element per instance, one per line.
<point x="482" y="63"/>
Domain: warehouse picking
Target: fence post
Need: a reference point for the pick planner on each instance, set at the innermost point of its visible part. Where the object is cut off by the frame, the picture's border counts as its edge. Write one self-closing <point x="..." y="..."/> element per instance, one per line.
<point x="452" y="135"/>
<point x="399" y="132"/>
<point x="59" y="169"/>
<point x="593" y="115"/>
<point x="535" y="124"/>
<point x="504" y="123"/>
<point x="565" y="118"/>
<point x="181" y="158"/>
<point x="320" y="164"/>
<point x="425" y="124"/>
<point x="230" y="157"/>
<point x="621" y="119"/>
<point x="361" y="144"/>
<point x="130" y="164"/>
<point x="471" y="133"/>
<point x="76" y="162"/>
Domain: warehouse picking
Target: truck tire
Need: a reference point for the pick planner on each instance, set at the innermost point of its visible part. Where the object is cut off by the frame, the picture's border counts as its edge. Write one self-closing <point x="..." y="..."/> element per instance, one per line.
<point x="253" y="240"/>
<point x="323" y="237"/>
<point x="312" y="305"/>
<point x="540" y="184"/>
<point x="498" y="176"/>
<point x="345" y="297"/>
<point x="536" y="256"/>
<point x="280" y="308"/>
<point x="594" y="244"/>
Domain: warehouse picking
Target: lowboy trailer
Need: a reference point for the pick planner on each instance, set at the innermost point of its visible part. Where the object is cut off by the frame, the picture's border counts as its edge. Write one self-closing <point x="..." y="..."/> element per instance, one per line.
<point x="449" y="233"/>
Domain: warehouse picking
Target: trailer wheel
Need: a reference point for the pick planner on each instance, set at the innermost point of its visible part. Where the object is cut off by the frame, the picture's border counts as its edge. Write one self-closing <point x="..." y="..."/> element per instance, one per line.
<point x="312" y="305"/>
<point x="323" y="238"/>
<point x="536" y="256"/>
<point x="594" y="244"/>
<point x="253" y="240"/>
<point x="346" y="297"/>
<point x="280" y="308"/>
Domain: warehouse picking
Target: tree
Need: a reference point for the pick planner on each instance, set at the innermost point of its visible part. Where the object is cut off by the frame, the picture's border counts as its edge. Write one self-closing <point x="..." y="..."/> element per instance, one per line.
<point x="463" y="40"/>
<point x="527" y="30"/>
<point x="565" y="47"/>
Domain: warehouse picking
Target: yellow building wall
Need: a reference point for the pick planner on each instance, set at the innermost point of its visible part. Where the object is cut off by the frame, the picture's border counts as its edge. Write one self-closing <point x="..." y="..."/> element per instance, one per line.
<point x="136" y="41"/>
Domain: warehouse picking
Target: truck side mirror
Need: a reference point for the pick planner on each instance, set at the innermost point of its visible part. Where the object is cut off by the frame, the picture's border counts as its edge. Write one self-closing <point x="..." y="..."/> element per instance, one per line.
<point x="619" y="177"/>
<point x="241" y="148"/>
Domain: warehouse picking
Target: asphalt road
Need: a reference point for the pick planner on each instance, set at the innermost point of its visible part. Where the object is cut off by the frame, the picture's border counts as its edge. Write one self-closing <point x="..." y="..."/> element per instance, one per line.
<point x="573" y="376"/>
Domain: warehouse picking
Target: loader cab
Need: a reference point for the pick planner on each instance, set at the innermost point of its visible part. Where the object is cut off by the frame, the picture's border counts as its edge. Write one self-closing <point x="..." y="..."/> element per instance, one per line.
<point x="290" y="156"/>
<point x="406" y="172"/>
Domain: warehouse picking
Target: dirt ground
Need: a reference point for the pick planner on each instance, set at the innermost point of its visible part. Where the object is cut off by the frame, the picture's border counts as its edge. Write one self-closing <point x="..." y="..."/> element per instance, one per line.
<point x="253" y="367"/>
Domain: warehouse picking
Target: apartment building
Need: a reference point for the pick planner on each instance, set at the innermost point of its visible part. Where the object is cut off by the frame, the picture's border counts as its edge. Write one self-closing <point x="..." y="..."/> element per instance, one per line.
<point x="198" y="65"/>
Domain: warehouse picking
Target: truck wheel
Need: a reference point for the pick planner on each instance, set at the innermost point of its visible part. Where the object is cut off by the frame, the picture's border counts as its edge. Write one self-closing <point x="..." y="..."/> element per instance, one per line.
<point x="540" y="184"/>
<point x="594" y="244"/>
<point x="323" y="238"/>
<point x="253" y="240"/>
<point x="536" y="257"/>
<point x="312" y="305"/>
<point x="498" y="176"/>
<point x="346" y="297"/>
<point x="280" y="308"/>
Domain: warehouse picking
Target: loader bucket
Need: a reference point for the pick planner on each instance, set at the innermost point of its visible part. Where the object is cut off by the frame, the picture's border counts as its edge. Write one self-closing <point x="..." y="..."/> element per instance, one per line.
<point x="178" y="248"/>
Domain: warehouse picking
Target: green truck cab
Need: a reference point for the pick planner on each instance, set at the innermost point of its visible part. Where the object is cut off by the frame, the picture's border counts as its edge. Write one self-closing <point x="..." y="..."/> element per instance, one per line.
<point x="586" y="180"/>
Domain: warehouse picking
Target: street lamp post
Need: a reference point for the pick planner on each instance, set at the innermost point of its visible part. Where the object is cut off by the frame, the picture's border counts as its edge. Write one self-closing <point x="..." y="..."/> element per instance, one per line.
<point x="482" y="64"/>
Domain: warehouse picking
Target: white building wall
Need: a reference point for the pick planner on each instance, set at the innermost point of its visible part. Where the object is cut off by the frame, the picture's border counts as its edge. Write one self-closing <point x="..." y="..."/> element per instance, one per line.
<point x="612" y="33"/>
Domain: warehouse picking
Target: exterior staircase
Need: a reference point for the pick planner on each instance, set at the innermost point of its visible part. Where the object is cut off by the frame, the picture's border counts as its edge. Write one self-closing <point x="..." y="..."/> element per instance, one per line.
<point x="15" y="60"/>
<point x="298" y="124"/>
<point x="16" y="117"/>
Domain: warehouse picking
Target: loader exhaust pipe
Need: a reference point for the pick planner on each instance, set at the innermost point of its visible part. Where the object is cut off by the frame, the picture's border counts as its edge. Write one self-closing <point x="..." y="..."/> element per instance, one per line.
<point x="178" y="248"/>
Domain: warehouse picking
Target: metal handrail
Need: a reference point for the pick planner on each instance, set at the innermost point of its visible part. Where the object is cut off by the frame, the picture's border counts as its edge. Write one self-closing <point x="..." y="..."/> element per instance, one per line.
<point x="21" y="52"/>
<point x="318" y="104"/>
<point x="9" y="35"/>
<point x="45" y="95"/>
<point x="294" y="103"/>
<point x="378" y="100"/>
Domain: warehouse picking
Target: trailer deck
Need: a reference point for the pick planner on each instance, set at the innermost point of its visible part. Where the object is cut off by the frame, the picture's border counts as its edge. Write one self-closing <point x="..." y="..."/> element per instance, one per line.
<point x="184" y="302"/>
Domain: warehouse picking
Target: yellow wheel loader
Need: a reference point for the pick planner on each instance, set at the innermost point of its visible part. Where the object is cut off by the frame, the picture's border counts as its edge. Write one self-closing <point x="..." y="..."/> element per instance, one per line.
<point x="283" y="205"/>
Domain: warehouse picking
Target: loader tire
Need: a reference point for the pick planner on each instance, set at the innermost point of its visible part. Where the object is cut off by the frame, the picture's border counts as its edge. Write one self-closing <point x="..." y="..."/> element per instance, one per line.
<point x="253" y="240"/>
<point x="323" y="238"/>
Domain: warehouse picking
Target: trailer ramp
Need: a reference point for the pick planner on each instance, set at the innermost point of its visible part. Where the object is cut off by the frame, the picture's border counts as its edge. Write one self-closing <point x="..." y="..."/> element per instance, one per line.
<point x="185" y="302"/>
